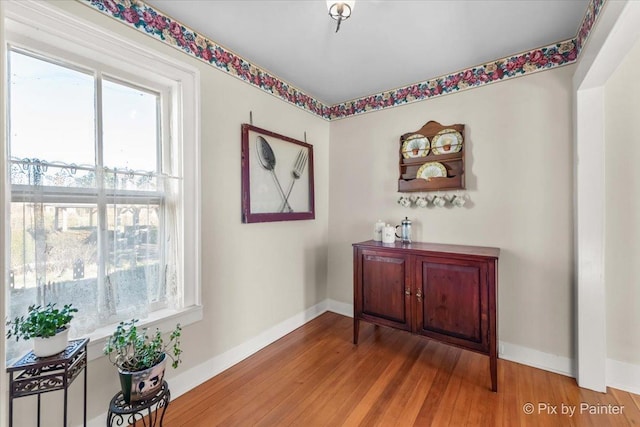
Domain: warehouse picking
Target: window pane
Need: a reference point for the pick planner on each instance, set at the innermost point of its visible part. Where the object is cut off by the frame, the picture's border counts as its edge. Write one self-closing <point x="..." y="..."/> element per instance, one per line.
<point x="130" y="123"/>
<point x="133" y="258"/>
<point x="119" y="180"/>
<point x="36" y="173"/>
<point x="68" y="238"/>
<point x="53" y="259"/>
<point x="51" y="110"/>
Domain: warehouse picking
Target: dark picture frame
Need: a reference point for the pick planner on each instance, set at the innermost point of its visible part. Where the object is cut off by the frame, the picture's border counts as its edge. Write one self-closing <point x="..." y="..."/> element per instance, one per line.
<point x="277" y="177"/>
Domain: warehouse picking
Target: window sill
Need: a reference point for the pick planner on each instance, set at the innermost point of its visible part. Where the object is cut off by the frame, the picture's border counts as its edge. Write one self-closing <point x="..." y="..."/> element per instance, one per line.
<point x="165" y="320"/>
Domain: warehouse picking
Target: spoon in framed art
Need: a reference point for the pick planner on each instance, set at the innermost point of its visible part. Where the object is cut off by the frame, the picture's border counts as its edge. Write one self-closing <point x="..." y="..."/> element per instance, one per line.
<point x="268" y="161"/>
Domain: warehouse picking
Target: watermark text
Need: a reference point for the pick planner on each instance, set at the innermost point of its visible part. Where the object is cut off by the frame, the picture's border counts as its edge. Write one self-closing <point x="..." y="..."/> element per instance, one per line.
<point x="583" y="408"/>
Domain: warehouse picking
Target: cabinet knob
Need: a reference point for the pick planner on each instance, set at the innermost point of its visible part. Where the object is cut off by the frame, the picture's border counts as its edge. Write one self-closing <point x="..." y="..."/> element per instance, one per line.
<point x="407" y="291"/>
<point x="419" y="294"/>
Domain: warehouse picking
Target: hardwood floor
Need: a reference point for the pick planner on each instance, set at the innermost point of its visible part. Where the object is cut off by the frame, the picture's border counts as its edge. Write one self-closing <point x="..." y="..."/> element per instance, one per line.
<point x="315" y="376"/>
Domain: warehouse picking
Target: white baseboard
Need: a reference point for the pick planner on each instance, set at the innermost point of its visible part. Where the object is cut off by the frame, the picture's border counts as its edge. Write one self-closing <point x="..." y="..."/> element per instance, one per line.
<point x="346" y="309"/>
<point x="197" y="375"/>
<point x="538" y="359"/>
<point x="508" y="351"/>
<point x="620" y="375"/>
<point x="623" y="376"/>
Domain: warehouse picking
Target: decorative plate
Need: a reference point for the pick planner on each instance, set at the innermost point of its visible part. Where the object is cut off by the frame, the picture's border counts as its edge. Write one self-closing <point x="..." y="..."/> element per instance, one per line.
<point x="446" y="141"/>
<point x="415" y="146"/>
<point x="431" y="170"/>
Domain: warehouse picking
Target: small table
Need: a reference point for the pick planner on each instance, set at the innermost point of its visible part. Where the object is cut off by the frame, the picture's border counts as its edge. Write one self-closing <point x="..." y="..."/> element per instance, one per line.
<point x="36" y="375"/>
<point x="122" y="412"/>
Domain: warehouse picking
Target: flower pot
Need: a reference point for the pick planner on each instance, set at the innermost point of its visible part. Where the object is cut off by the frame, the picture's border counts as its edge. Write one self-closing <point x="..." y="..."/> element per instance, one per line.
<point x="141" y="385"/>
<point x="45" y="347"/>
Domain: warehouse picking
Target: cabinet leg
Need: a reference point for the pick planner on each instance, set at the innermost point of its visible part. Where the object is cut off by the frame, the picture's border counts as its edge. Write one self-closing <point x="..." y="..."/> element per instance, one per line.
<point x="356" y="330"/>
<point x="493" y="367"/>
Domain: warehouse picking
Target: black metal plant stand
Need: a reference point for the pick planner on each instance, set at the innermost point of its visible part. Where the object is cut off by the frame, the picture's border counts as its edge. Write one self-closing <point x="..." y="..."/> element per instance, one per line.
<point x="33" y="375"/>
<point x="149" y="412"/>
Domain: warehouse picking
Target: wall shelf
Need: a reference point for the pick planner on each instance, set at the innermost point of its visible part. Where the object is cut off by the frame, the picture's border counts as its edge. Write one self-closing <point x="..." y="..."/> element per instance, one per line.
<point x="441" y="138"/>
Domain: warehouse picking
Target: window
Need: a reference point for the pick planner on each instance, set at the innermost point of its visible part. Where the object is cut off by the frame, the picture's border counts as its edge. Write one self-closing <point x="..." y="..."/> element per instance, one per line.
<point x="101" y="214"/>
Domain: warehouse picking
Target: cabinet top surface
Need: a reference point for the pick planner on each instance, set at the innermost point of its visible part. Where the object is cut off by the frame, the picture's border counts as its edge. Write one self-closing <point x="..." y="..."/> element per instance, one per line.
<point x="433" y="247"/>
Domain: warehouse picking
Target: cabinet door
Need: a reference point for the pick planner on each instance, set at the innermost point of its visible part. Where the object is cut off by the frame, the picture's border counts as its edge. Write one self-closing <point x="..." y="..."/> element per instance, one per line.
<point x="382" y="291"/>
<point x="452" y="301"/>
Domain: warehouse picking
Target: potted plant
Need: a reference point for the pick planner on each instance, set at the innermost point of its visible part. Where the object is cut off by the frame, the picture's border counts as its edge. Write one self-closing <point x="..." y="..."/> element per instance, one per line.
<point x="141" y="358"/>
<point x="48" y="326"/>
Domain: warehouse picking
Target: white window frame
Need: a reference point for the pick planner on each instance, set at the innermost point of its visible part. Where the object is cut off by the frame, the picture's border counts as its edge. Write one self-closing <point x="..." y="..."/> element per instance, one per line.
<point x="41" y="27"/>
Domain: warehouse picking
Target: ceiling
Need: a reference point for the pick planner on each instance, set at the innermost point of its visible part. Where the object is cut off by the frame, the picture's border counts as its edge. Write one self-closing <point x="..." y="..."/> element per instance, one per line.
<point x="385" y="44"/>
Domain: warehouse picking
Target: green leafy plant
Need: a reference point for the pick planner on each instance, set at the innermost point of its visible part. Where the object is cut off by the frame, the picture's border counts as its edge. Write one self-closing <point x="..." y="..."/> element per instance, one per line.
<point x="133" y="349"/>
<point x="40" y="322"/>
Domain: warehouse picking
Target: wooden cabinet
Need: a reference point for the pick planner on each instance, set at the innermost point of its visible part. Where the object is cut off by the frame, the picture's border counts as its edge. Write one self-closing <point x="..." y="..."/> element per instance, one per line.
<point x="443" y="292"/>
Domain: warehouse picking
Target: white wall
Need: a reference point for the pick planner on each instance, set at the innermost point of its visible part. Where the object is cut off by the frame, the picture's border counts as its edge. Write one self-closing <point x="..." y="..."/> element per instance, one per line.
<point x="254" y="276"/>
<point x="622" y="224"/>
<point x="519" y="178"/>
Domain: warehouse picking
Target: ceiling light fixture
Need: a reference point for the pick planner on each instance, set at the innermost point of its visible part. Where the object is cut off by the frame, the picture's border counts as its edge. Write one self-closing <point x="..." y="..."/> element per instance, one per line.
<point x="340" y="11"/>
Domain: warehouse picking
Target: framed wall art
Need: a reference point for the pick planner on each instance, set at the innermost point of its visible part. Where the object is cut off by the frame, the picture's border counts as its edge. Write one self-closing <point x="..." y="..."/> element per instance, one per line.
<point x="277" y="177"/>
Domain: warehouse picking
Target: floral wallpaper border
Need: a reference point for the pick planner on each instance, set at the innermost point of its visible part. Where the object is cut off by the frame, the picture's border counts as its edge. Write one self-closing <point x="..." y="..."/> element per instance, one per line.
<point x="593" y="11"/>
<point x="544" y="58"/>
<point x="144" y="18"/>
